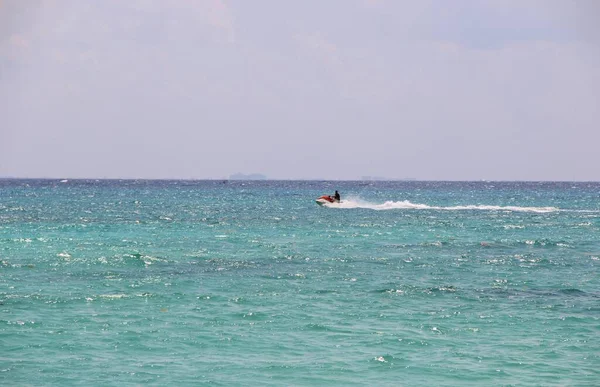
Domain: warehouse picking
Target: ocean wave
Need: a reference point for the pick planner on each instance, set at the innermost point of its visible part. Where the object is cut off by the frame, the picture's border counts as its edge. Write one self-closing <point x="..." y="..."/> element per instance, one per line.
<point x="407" y="205"/>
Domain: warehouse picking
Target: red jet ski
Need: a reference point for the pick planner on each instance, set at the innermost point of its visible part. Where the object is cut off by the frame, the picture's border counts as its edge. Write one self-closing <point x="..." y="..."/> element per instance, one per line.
<point x="325" y="199"/>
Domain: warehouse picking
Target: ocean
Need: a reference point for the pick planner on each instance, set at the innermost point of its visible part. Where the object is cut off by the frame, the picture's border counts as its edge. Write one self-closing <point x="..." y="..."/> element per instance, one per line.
<point x="239" y="283"/>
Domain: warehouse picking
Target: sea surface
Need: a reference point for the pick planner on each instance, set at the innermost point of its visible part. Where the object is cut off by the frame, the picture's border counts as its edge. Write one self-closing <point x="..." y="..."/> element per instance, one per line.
<point x="239" y="283"/>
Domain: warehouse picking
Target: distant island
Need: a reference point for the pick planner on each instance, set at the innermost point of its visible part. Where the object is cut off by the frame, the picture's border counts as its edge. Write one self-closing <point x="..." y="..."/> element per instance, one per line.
<point x="379" y="178"/>
<point x="251" y="176"/>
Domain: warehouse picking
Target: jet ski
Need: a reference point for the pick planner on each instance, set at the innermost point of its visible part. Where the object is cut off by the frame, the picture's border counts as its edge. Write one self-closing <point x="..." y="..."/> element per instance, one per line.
<point x="326" y="199"/>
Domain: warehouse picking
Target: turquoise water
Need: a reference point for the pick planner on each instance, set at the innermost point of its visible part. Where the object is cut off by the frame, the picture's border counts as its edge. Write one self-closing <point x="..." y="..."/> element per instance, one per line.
<point x="252" y="283"/>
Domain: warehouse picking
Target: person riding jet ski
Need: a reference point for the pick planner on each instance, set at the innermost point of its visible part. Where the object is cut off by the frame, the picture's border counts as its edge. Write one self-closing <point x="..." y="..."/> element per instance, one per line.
<point x="336" y="196"/>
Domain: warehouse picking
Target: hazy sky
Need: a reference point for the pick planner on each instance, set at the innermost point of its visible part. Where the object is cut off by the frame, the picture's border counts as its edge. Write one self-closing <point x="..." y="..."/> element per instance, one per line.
<point x="429" y="89"/>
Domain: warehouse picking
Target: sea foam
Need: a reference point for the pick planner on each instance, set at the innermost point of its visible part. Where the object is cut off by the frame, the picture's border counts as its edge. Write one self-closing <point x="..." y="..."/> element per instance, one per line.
<point x="407" y="205"/>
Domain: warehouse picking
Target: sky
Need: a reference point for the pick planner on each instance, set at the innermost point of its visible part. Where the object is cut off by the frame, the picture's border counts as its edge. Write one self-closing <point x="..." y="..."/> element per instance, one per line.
<point x="312" y="89"/>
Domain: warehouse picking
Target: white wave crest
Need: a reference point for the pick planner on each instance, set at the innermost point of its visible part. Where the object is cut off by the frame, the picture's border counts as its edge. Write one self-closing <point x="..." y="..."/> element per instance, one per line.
<point x="406" y="205"/>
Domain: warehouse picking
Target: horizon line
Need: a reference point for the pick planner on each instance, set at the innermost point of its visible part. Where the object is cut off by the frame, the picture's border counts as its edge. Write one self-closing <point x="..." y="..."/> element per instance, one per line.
<point x="294" y="179"/>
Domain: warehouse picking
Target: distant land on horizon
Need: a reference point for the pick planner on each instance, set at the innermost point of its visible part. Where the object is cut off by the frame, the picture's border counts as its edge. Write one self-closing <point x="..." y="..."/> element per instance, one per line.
<point x="380" y="178"/>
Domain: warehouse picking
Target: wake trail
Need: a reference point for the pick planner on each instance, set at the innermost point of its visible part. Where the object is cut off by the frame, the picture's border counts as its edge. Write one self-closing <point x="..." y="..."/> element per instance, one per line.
<point x="407" y="205"/>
